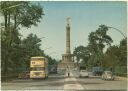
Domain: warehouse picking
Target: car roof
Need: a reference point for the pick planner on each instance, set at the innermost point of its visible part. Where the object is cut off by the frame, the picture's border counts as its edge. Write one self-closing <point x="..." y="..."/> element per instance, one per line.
<point x="107" y="71"/>
<point x="83" y="70"/>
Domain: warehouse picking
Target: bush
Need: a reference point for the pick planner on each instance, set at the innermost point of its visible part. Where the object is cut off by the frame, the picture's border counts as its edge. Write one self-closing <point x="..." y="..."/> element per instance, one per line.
<point x="120" y="71"/>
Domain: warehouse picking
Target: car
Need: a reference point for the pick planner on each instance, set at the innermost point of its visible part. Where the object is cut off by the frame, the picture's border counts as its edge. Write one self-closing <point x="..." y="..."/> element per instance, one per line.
<point x="97" y="71"/>
<point x="107" y="75"/>
<point x="25" y="74"/>
<point x="84" y="73"/>
<point x="53" y="71"/>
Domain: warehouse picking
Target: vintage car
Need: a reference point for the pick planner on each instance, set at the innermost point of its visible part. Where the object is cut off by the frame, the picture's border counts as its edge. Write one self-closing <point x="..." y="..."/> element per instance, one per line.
<point x="25" y="74"/>
<point x="97" y="71"/>
<point x="83" y="73"/>
<point x="107" y="75"/>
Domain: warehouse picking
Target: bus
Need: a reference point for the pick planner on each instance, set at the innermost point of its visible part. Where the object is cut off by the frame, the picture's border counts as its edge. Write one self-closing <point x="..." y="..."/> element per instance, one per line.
<point x="39" y="67"/>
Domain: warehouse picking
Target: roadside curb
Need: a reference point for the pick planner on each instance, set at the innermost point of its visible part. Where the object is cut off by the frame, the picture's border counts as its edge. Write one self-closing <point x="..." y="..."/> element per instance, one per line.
<point x="120" y="78"/>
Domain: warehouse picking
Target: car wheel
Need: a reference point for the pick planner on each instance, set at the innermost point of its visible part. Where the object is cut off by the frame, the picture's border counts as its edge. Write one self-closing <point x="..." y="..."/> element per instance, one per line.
<point x="103" y="78"/>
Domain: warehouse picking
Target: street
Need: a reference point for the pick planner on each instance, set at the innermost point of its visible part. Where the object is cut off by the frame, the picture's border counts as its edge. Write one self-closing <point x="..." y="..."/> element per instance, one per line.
<point x="59" y="82"/>
<point x="72" y="45"/>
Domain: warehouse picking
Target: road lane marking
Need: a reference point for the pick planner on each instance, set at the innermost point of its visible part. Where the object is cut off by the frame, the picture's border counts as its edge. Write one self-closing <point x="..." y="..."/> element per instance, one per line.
<point x="72" y="86"/>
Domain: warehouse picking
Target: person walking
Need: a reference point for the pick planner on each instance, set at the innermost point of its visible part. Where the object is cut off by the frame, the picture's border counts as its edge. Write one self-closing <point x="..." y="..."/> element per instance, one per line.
<point x="68" y="74"/>
<point x="68" y="71"/>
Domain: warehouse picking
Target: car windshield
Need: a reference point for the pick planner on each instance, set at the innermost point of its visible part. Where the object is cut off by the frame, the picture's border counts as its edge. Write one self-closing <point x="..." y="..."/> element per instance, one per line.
<point x="108" y="72"/>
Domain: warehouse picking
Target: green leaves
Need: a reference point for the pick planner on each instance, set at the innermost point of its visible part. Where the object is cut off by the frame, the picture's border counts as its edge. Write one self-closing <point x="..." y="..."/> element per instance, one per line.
<point x="97" y="42"/>
<point x="21" y="13"/>
<point x="31" y="15"/>
<point x="81" y="52"/>
<point x="10" y="49"/>
<point x="16" y="52"/>
<point x="116" y="57"/>
<point x="93" y="53"/>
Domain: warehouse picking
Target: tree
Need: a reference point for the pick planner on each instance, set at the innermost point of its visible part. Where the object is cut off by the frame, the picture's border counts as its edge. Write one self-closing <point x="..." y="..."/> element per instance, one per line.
<point x="24" y="13"/>
<point x="116" y="57"/>
<point x="123" y="52"/>
<point x="31" y="47"/>
<point x="10" y="48"/>
<point x="97" y="42"/>
<point x="81" y="52"/>
<point x="111" y="57"/>
<point x="51" y="61"/>
<point x="16" y="14"/>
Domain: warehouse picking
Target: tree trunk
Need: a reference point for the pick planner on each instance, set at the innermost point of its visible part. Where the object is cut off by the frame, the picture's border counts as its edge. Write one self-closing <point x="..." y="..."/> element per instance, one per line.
<point x="8" y="20"/>
<point x="15" y="22"/>
<point x="5" y="61"/>
<point x="5" y="19"/>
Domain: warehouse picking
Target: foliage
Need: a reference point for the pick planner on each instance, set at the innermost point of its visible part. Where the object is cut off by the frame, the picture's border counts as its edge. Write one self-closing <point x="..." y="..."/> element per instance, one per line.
<point x="81" y="52"/>
<point x="10" y="47"/>
<point x="115" y="57"/>
<point x="98" y="40"/>
<point x="111" y="56"/>
<point x="21" y="13"/>
<point x="16" y="52"/>
<point x="31" y="47"/>
<point x="51" y="61"/>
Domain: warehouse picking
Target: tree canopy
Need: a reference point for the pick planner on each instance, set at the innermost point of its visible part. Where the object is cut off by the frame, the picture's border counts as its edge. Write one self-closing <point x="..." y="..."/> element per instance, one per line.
<point x="93" y="54"/>
<point x="20" y="13"/>
<point x="15" y="50"/>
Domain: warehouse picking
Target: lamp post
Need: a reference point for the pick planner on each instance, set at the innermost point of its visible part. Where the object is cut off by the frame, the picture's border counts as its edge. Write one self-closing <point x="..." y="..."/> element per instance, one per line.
<point x="118" y="31"/>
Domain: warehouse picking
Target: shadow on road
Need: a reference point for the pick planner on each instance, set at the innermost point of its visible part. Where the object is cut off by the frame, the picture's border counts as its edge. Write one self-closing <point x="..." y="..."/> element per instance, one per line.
<point x="85" y="83"/>
<point x="71" y="82"/>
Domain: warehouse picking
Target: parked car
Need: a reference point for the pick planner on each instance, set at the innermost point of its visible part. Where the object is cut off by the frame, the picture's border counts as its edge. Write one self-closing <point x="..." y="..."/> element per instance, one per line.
<point x="53" y="71"/>
<point x="83" y="73"/>
<point x="97" y="71"/>
<point x="107" y="75"/>
<point x="25" y="74"/>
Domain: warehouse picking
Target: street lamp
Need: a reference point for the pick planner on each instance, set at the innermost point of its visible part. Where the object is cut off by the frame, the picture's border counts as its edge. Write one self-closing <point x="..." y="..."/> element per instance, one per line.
<point x="118" y="31"/>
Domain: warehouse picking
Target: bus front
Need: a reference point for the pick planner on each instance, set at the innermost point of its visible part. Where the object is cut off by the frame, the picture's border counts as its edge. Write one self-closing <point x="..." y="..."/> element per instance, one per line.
<point x="37" y="68"/>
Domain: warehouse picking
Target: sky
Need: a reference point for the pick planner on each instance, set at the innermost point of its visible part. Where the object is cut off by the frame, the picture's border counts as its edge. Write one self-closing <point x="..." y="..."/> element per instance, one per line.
<point x="85" y="17"/>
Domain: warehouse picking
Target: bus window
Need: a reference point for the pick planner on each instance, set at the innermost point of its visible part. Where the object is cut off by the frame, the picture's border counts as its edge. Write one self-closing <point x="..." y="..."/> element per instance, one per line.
<point x="37" y="68"/>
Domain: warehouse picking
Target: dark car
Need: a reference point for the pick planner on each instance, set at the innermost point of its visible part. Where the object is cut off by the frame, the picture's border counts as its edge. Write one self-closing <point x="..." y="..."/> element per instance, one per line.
<point x="25" y="74"/>
<point x="53" y="70"/>
<point x="97" y="71"/>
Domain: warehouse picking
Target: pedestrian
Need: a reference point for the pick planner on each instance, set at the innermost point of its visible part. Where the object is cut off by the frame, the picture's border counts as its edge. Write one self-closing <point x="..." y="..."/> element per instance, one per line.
<point x="68" y="74"/>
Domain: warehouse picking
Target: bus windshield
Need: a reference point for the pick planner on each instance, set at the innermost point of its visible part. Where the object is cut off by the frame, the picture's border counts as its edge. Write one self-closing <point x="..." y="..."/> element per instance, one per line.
<point x="37" y="68"/>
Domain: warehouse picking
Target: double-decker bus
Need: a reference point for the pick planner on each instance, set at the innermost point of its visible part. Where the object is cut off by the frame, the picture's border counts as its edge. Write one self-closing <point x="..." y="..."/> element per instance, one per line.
<point x="39" y="67"/>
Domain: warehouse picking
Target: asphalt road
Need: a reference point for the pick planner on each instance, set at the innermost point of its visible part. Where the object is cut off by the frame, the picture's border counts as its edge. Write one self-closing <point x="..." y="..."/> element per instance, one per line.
<point x="59" y="82"/>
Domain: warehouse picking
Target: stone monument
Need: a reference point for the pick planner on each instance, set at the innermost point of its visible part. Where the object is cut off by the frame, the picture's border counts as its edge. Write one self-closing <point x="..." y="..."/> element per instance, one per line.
<point x="67" y="58"/>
